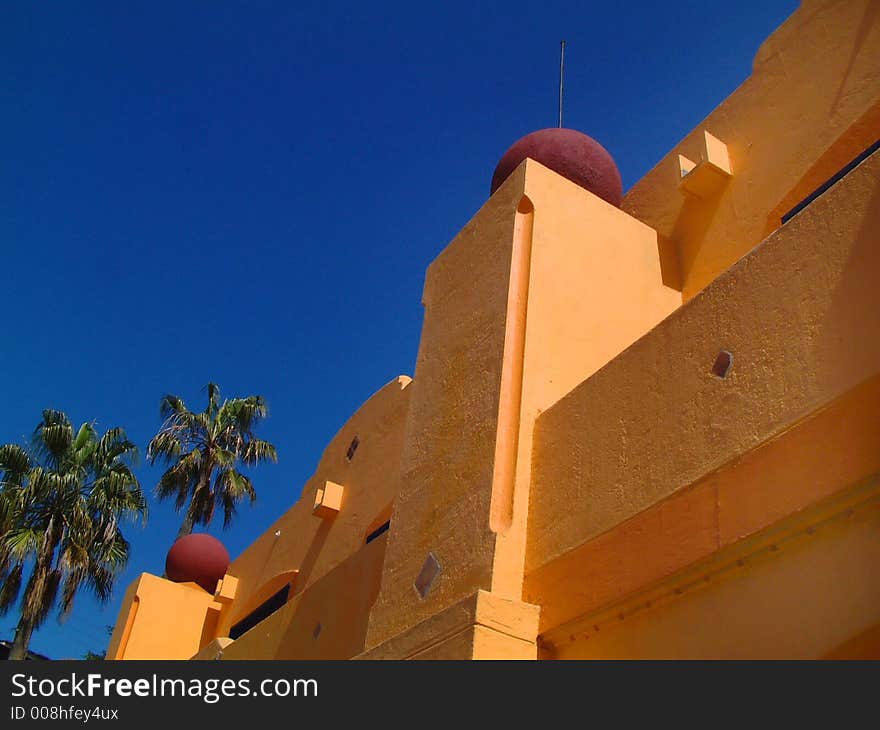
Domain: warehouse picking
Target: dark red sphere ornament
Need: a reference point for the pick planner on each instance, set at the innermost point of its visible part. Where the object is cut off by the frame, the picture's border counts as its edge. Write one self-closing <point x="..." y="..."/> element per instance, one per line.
<point x="197" y="558"/>
<point x="572" y="154"/>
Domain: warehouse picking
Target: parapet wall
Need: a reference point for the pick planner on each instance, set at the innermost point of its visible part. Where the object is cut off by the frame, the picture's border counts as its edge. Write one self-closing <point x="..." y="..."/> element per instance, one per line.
<point x="811" y="104"/>
<point x="618" y="463"/>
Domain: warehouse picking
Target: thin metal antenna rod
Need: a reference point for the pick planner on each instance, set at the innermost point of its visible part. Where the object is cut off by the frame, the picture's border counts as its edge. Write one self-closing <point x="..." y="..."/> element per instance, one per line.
<point x="561" y="70"/>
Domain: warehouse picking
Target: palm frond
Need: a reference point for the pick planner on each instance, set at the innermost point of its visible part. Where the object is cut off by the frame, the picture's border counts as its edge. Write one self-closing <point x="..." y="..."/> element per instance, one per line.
<point x="73" y="579"/>
<point x="23" y="542"/>
<point x="229" y="509"/>
<point x="39" y="595"/>
<point x="180" y="480"/>
<point x="14" y="464"/>
<point x="258" y="450"/>
<point x="224" y="458"/>
<point x="100" y="580"/>
<point x="85" y="436"/>
<point x="244" y="413"/>
<point x="52" y="437"/>
<point x="114" y="552"/>
<point x="115" y="446"/>
<point x="171" y="405"/>
<point x="47" y="601"/>
<point x="203" y="450"/>
<point x="118" y="494"/>
<point x="202" y="506"/>
<point x="167" y="444"/>
<point x="11" y="587"/>
<point x="230" y="488"/>
<point x="62" y="511"/>
<point x="213" y="400"/>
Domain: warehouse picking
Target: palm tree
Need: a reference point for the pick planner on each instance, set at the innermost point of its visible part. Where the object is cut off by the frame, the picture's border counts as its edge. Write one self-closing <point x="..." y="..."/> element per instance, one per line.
<point x="61" y="505"/>
<point x="204" y="450"/>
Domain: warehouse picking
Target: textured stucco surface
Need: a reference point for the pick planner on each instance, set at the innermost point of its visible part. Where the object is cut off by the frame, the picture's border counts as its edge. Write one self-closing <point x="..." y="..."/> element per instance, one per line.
<point x="592" y="284"/>
<point x="821" y="464"/>
<point x="447" y="461"/>
<point x="328" y="621"/>
<point x="159" y="620"/>
<point x="565" y="451"/>
<point x="800" y="314"/>
<point x="810" y="105"/>
<point x="480" y="626"/>
<point x="594" y="287"/>
<point x="800" y="602"/>
<point x="314" y="546"/>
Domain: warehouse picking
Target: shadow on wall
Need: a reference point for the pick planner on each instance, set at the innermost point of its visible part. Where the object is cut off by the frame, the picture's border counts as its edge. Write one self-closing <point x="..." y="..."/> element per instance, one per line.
<point x="311" y="556"/>
<point x="328" y="620"/>
<point x="848" y="341"/>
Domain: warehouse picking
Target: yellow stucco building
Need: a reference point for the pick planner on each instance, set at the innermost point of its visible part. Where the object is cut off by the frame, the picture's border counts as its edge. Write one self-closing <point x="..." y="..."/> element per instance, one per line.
<point x="649" y="430"/>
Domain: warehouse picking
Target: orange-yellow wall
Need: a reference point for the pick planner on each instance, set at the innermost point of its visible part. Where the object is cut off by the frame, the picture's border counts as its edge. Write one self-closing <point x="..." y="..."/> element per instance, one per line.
<point x="564" y="450"/>
<point x="172" y="620"/>
<point x="594" y="287"/>
<point x="482" y="625"/>
<point x="810" y="597"/>
<point x="314" y="546"/>
<point x="160" y="620"/>
<point x="544" y="285"/>
<point x="823" y="466"/>
<point x="328" y="621"/>
<point x="810" y="105"/>
<point x="800" y="314"/>
<point x="447" y="459"/>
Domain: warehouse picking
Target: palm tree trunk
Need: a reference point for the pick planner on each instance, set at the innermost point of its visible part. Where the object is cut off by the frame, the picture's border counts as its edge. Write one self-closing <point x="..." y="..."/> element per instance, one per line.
<point x="22" y="639"/>
<point x="27" y="619"/>
<point x="32" y="605"/>
<point x="189" y="521"/>
<point x="186" y="526"/>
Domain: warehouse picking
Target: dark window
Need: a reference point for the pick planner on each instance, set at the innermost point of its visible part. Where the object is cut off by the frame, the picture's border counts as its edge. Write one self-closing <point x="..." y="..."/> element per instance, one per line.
<point x="861" y="157"/>
<point x="263" y="611"/>
<point x="355" y="442"/>
<point x="378" y="531"/>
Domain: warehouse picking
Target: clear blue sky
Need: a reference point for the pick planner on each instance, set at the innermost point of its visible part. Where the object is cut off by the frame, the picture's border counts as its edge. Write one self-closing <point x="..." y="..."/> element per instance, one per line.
<point x="249" y="193"/>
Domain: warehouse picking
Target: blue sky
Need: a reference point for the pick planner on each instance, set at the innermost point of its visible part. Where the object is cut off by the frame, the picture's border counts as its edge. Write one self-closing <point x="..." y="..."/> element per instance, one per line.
<point x="250" y="193"/>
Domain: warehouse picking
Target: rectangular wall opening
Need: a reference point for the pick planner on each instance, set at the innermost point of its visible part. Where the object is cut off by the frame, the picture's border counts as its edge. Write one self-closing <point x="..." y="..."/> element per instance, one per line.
<point x="378" y="531"/>
<point x="261" y="612"/>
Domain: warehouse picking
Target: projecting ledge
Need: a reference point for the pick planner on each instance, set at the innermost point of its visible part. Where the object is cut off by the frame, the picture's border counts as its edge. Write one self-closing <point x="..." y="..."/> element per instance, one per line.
<point x="709" y="174"/>
<point x="328" y="500"/>
<point x="481" y="626"/>
<point x="214" y="650"/>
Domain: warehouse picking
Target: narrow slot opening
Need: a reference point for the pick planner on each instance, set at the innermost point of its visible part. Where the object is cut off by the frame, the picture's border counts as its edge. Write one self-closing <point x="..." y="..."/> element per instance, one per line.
<point x="378" y="531"/>
<point x="261" y="612"/>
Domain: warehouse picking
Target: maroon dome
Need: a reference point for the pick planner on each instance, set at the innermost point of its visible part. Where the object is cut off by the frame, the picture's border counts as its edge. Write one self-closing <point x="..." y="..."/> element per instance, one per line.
<point x="197" y="558"/>
<point x="570" y="153"/>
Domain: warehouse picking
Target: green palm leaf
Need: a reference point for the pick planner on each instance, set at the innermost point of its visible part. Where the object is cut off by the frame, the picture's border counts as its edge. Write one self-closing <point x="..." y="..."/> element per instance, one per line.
<point x="61" y="506"/>
<point x="202" y="451"/>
